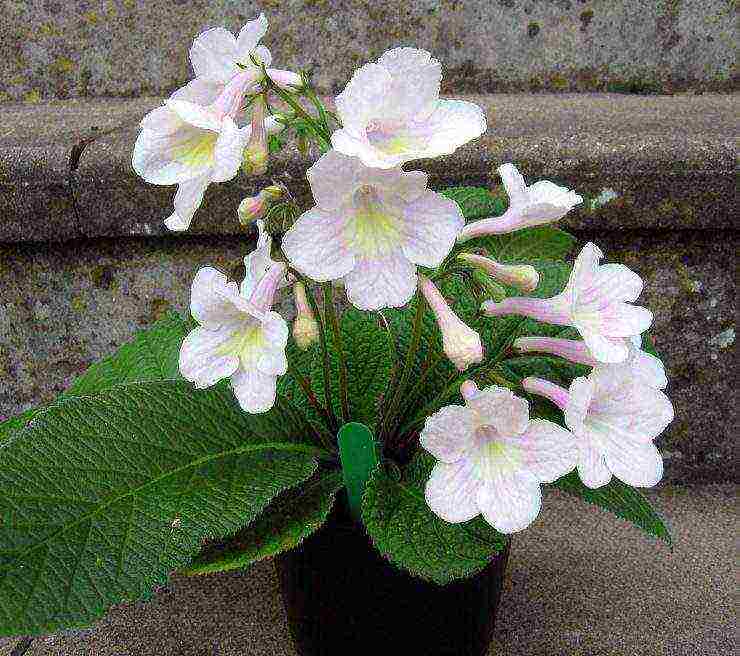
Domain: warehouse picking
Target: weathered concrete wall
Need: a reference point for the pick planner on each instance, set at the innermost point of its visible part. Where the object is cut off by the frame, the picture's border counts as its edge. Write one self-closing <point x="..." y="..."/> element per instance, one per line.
<point x="63" y="306"/>
<point x="67" y="48"/>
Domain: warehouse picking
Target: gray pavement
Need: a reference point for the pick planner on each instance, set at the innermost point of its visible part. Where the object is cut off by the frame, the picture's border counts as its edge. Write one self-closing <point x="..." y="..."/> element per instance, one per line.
<point x="580" y="582"/>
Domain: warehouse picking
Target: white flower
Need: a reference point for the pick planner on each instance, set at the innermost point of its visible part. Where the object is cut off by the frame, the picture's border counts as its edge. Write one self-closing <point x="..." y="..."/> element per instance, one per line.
<point x="461" y="344"/>
<point x="543" y="202"/>
<point x="258" y="263"/>
<point x="641" y="365"/>
<point x="217" y="56"/>
<point x="597" y="301"/>
<point x="238" y="338"/>
<point x="492" y="459"/>
<point x="614" y="417"/>
<point x="391" y="112"/>
<point x="371" y="227"/>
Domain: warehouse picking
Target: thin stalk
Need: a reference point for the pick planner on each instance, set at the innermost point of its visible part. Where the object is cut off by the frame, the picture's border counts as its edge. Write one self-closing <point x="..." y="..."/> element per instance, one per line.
<point x="408" y="365"/>
<point x="333" y="424"/>
<point x="331" y="318"/>
<point x="306" y="387"/>
<point x="322" y="133"/>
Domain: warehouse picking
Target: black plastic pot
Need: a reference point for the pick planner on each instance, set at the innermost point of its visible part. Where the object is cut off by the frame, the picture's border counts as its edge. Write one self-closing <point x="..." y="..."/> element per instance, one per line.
<point x="342" y="596"/>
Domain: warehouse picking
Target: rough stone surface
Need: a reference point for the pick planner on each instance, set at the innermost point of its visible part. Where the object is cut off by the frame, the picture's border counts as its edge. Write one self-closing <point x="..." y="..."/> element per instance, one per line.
<point x="65" y="306"/>
<point x="56" y="49"/>
<point x="580" y="582"/>
<point x="669" y="160"/>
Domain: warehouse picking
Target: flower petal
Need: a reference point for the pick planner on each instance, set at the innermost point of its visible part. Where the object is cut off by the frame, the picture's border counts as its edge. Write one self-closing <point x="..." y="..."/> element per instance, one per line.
<point x="255" y="391"/>
<point x="448" y="433"/>
<point x="154" y="156"/>
<point x="201" y="91"/>
<point x="200" y="360"/>
<point x="228" y="152"/>
<point x="364" y="98"/>
<point x="500" y="408"/>
<point x="314" y="245"/>
<point x="636" y="464"/>
<point x="161" y="120"/>
<point x="188" y="199"/>
<point x="452" y="124"/>
<point x="249" y="36"/>
<point x="592" y="469"/>
<point x="379" y="282"/>
<point x="333" y="177"/>
<point x="212" y="299"/>
<point x="514" y="184"/>
<point x="510" y="501"/>
<point x="275" y="332"/>
<point x="580" y="393"/>
<point x="262" y="54"/>
<point x="451" y="491"/>
<point x="431" y="224"/>
<point x="649" y="369"/>
<point x="549" y="450"/>
<point x="623" y="283"/>
<point x="415" y="84"/>
<point x="196" y="115"/>
<point x="604" y="349"/>
<point x="213" y="55"/>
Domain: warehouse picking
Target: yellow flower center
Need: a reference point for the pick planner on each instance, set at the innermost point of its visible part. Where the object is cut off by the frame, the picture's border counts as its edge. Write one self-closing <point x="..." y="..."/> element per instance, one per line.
<point x="246" y="344"/>
<point x="197" y="150"/>
<point x="374" y="229"/>
<point x="493" y="455"/>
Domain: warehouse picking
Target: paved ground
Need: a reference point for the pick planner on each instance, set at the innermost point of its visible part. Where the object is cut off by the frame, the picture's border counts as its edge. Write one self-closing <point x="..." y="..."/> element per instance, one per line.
<point x="580" y="583"/>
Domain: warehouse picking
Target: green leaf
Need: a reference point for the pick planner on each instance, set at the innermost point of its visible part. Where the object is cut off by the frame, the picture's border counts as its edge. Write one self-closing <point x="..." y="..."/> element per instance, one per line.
<point x="476" y="202"/>
<point x="14" y="424"/>
<point x="410" y="535"/>
<point x="104" y="496"/>
<point x="292" y="517"/>
<point x="367" y="354"/>
<point x="620" y="499"/>
<point x="539" y="243"/>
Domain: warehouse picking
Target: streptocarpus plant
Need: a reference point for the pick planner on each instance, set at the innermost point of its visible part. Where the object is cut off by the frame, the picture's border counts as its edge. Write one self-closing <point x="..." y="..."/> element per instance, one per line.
<point x="448" y="322"/>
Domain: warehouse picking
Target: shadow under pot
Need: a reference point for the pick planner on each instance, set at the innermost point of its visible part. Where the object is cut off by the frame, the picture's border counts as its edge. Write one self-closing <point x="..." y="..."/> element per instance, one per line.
<point x="341" y="595"/>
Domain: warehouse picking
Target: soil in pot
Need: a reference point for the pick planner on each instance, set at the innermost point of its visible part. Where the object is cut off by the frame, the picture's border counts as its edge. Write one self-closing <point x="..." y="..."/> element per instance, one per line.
<point x="343" y="598"/>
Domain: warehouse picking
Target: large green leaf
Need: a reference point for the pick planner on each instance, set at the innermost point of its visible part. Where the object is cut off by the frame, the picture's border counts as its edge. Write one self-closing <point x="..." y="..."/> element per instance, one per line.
<point x="293" y="516"/>
<point x="620" y="499"/>
<point x="368" y="357"/>
<point x="476" y="202"/>
<point x="410" y="535"/>
<point x="152" y="355"/>
<point x="103" y="496"/>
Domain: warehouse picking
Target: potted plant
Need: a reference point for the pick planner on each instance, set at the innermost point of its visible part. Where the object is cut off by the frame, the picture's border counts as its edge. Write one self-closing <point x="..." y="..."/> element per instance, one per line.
<point x="444" y="364"/>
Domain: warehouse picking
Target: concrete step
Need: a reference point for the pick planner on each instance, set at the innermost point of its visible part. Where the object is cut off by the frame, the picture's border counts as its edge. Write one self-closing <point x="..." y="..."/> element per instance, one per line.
<point x="667" y="161"/>
<point x="57" y="49"/>
<point x="580" y="582"/>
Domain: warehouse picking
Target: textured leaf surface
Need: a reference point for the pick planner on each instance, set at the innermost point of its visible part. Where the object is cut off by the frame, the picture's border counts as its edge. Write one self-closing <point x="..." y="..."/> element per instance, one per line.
<point x="410" y="535"/>
<point x="368" y="356"/>
<point x="477" y="202"/>
<point x="293" y="516"/>
<point x="620" y="499"/>
<point x="103" y="496"/>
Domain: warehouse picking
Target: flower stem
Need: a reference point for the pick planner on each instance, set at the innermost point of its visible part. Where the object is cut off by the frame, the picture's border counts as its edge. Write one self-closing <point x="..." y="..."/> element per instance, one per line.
<point x="407" y="367"/>
<point x="306" y="387"/>
<point x="331" y="318"/>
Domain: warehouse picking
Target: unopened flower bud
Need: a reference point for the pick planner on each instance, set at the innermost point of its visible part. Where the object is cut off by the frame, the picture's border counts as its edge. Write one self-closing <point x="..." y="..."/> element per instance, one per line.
<point x="255" y="207"/>
<point x="461" y="344"/>
<point x="305" y="328"/>
<point x="256" y="153"/>
<point x="490" y="288"/>
<point x="522" y="276"/>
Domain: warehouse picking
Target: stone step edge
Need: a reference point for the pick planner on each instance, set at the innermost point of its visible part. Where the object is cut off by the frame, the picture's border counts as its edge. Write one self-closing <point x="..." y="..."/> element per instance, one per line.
<point x="60" y="179"/>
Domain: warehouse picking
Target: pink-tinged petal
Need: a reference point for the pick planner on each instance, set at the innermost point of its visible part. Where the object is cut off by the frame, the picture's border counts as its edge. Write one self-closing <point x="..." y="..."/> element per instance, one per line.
<point x="448" y="433"/>
<point x="649" y="369"/>
<point x="416" y="80"/>
<point x="603" y="349"/>
<point x="386" y="281"/>
<point x="522" y="276"/>
<point x="412" y="185"/>
<point x="553" y="310"/>
<point x="636" y="464"/>
<point x="500" y="408"/>
<point x="249" y="36"/>
<point x="451" y="491"/>
<point x="333" y="178"/>
<point x="547" y="202"/>
<point x="255" y="391"/>
<point x="623" y="283"/>
<point x="212" y="299"/>
<point x="592" y="469"/>
<point x="154" y="156"/>
<point x="514" y="184"/>
<point x="510" y="501"/>
<point x="619" y="320"/>
<point x="314" y="245"/>
<point x="262" y="54"/>
<point x="344" y="142"/>
<point x="188" y="199"/>
<point x="213" y="55"/>
<point x="364" y="98"/>
<point x="200" y="360"/>
<point x="584" y="267"/>
<point x="200" y="91"/>
<point x="452" y="124"/>
<point x="430" y="226"/>
<point x="558" y="395"/>
<point x="161" y="120"/>
<point x="263" y="295"/>
<point x="573" y="350"/>
<point x="228" y="152"/>
<point x="580" y="395"/>
<point x="275" y="330"/>
<point x="196" y="115"/>
<point x="284" y="79"/>
<point x="549" y="450"/>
